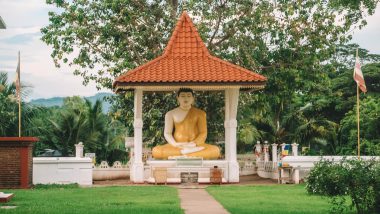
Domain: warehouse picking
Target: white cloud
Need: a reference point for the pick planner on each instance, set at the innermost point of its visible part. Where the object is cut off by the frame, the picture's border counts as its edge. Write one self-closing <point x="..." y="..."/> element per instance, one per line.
<point x="24" y="19"/>
<point x="369" y="36"/>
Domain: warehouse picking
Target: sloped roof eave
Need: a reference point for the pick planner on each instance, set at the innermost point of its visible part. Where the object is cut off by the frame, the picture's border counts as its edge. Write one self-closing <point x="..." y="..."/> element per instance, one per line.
<point x="169" y="86"/>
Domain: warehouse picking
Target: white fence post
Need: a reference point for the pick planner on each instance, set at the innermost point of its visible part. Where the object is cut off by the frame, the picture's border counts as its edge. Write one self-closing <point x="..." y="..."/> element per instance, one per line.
<point x="296" y="175"/>
<point x="274" y="153"/>
<point x="79" y="150"/>
<point x="266" y="151"/>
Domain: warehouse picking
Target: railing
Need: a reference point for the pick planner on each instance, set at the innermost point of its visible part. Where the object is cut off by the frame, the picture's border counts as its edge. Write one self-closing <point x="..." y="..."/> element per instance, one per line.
<point x="106" y="172"/>
<point x="267" y="169"/>
<point x="247" y="167"/>
<point x="246" y="164"/>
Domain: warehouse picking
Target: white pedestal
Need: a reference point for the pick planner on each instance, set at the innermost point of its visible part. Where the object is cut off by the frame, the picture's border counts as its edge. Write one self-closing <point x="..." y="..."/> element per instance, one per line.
<point x="233" y="172"/>
<point x="174" y="171"/>
<point x="137" y="173"/>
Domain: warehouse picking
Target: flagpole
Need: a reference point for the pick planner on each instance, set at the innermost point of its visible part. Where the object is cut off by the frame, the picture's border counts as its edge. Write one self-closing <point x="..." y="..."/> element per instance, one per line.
<point x="357" y="111"/>
<point x="19" y="97"/>
<point x="358" y="118"/>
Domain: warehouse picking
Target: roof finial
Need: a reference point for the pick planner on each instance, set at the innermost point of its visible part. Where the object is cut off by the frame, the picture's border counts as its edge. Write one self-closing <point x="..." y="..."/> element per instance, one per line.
<point x="184" y="6"/>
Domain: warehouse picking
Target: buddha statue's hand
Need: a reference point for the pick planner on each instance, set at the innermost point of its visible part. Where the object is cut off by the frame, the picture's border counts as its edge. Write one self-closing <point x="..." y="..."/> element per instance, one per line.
<point x="185" y="145"/>
<point x="189" y="150"/>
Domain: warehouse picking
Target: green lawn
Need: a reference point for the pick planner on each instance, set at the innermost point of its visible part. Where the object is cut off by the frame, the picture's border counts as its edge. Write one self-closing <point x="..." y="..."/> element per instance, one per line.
<point x="102" y="200"/>
<point x="276" y="199"/>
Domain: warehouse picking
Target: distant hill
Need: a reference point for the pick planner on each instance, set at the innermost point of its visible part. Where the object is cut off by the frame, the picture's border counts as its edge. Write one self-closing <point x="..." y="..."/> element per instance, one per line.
<point x="58" y="101"/>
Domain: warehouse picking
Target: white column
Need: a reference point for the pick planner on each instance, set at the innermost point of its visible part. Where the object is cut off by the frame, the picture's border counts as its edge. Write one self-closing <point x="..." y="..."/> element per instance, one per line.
<point x="226" y="125"/>
<point x="266" y="151"/>
<point x="79" y="150"/>
<point x="282" y="149"/>
<point x="296" y="174"/>
<point x="295" y="149"/>
<point x="137" y="168"/>
<point x="274" y="153"/>
<point x="232" y="98"/>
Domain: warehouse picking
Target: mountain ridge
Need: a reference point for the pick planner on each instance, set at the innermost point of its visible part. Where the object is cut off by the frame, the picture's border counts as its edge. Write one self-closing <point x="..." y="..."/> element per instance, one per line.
<point x="58" y="101"/>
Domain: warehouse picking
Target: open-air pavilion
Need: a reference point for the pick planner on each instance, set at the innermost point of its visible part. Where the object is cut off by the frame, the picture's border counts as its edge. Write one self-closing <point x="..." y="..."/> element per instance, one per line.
<point x="187" y="63"/>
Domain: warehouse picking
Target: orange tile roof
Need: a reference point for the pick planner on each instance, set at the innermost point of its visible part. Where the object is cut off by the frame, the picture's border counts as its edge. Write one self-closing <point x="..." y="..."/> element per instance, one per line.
<point x="187" y="60"/>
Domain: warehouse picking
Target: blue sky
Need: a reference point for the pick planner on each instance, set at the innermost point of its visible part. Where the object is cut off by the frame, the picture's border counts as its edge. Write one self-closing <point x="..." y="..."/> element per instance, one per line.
<point x="25" y="18"/>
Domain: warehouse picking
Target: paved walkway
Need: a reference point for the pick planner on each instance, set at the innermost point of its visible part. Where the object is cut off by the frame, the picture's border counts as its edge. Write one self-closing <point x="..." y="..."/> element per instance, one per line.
<point x="198" y="201"/>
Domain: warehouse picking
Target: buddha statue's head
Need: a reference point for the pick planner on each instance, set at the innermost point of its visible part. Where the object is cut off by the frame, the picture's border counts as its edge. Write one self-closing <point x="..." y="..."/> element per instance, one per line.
<point x="185" y="98"/>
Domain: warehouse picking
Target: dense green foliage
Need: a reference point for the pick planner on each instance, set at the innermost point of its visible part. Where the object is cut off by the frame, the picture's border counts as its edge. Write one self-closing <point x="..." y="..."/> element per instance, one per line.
<point x="369" y="128"/>
<point x="355" y="178"/>
<point x="289" y="199"/>
<point x="9" y="112"/>
<point x="79" y="120"/>
<point x="301" y="46"/>
<point x="100" y="200"/>
<point x="119" y="35"/>
<point x="59" y="128"/>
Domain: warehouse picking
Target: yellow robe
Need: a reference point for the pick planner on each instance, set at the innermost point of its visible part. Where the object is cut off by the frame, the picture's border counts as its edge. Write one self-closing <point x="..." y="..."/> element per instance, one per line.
<point x="191" y="129"/>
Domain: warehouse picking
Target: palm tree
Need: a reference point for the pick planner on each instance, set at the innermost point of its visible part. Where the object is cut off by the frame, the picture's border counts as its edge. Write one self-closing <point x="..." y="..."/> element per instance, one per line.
<point x="310" y="129"/>
<point x="105" y="135"/>
<point x="67" y="129"/>
<point x="96" y="123"/>
<point x="8" y="106"/>
<point x="302" y="126"/>
<point x="77" y="121"/>
<point x="9" y="109"/>
<point x="260" y="128"/>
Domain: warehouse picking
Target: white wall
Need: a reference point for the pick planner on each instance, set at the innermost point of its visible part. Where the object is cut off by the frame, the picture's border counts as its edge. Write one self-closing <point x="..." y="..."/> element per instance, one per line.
<point x="62" y="170"/>
<point x="308" y="162"/>
<point x="305" y="163"/>
<point x="106" y="172"/>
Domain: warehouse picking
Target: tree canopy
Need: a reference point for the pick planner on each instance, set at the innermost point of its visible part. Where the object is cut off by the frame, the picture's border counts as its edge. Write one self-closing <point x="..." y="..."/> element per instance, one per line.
<point x="301" y="46"/>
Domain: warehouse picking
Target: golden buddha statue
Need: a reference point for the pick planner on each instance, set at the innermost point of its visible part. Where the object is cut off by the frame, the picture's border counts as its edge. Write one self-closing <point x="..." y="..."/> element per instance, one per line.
<point x="186" y="131"/>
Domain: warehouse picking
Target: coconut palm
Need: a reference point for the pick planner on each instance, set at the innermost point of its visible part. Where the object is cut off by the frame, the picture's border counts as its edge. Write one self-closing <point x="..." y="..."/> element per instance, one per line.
<point x="310" y="129"/>
<point x="67" y="129"/>
<point x="9" y="108"/>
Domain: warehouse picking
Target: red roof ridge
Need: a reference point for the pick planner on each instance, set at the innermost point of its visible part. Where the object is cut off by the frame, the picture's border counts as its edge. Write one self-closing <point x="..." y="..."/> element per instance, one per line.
<point x="183" y="20"/>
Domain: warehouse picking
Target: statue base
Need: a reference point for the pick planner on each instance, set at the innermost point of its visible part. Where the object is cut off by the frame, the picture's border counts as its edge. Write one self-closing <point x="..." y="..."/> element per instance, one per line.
<point x="175" y="167"/>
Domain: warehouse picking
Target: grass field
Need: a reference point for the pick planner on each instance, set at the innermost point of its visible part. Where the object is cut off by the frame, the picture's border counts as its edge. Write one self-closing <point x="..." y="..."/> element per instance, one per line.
<point x="274" y="199"/>
<point x="102" y="200"/>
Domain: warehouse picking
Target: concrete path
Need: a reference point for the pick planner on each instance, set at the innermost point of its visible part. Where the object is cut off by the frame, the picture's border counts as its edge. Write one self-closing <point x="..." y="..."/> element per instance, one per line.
<point x="198" y="201"/>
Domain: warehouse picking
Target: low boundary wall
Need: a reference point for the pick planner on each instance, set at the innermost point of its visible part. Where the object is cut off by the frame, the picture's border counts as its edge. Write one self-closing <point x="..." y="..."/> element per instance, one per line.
<point x="62" y="170"/>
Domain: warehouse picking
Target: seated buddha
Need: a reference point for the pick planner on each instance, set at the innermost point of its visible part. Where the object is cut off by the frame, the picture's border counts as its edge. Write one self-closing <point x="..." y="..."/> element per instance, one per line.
<point x="186" y="131"/>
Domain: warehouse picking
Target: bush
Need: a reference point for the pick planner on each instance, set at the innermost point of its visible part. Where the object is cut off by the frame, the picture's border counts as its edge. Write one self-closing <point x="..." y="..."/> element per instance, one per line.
<point x="358" y="179"/>
<point x="56" y="186"/>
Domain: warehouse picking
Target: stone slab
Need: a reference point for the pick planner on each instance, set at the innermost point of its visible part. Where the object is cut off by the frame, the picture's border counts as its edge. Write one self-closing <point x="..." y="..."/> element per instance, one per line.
<point x="4" y="198"/>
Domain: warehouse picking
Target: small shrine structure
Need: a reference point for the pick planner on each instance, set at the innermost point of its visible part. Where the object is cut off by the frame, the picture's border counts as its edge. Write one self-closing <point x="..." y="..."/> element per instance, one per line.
<point x="187" y="63"/>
